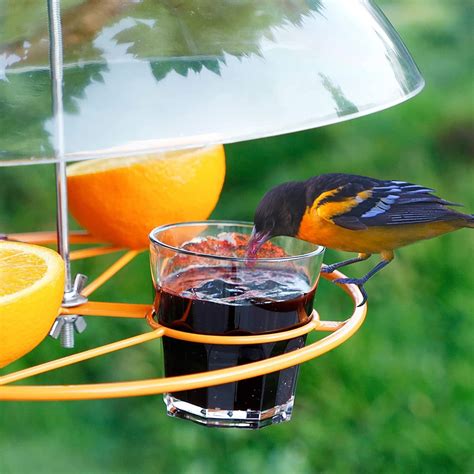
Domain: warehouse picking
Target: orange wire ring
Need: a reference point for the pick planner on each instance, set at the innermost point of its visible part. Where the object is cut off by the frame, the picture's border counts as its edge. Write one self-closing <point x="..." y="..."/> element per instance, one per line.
<point x="341" y="331"/>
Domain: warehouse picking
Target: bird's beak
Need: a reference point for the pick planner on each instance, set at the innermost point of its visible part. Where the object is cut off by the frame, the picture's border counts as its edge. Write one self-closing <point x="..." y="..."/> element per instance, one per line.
<point x="257" y="239"/>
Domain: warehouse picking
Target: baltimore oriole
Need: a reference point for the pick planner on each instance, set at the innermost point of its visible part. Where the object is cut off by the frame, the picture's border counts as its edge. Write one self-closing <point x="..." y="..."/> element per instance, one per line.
<point x="355" y="214"/>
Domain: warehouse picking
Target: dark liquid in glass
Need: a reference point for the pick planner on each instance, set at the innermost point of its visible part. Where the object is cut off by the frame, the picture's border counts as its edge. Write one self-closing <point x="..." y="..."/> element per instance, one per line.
<point x="222" y="301"/>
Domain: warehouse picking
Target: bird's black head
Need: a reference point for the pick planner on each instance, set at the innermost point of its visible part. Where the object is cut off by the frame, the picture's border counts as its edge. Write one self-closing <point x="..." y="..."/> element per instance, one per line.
<point x="279" y="213"/>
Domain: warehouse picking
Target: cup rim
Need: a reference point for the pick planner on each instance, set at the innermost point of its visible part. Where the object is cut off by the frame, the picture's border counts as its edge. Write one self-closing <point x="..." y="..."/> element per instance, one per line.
<point x="155" y="241"/>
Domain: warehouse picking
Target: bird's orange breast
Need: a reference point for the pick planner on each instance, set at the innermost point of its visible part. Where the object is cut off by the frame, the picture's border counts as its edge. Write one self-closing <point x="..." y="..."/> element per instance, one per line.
<point x="320" y="231"/>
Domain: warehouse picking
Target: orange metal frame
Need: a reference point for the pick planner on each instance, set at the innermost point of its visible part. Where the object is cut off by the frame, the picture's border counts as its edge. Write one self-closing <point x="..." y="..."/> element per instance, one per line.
<point x="340" y="332"/>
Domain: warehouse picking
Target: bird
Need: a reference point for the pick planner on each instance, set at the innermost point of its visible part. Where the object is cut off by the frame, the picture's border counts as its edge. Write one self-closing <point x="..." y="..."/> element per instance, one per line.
<point x="354" y="213"/>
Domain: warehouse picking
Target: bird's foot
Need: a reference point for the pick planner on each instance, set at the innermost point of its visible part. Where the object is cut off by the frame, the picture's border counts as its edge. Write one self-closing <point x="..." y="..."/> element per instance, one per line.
<point x="359" y="282"/>
<point x="328" y="268"/>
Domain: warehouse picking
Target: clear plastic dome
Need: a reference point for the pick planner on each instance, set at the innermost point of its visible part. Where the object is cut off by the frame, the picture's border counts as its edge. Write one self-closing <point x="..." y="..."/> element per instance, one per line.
<point x="144" y="76"/>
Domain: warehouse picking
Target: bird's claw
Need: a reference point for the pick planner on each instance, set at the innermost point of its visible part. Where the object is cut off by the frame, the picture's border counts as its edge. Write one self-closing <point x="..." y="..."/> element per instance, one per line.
<point x="327" y="269"/>
<point x="359" y="282"/>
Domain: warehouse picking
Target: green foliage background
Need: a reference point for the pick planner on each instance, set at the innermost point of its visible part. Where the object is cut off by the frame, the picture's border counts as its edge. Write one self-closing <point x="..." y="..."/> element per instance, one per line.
<point x="398" y="397"/>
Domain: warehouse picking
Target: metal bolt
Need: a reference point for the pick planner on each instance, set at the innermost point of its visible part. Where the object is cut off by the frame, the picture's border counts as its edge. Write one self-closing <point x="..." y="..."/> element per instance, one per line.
<point x="65" y="328"/>
<point x="67" y="335"/>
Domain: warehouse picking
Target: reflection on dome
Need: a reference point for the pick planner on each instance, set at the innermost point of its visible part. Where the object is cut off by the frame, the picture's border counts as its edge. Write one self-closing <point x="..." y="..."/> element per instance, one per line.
<point x="148" y="75"/>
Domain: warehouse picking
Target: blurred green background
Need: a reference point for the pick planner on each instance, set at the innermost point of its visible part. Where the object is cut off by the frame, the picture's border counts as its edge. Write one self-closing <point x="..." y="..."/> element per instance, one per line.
<point x="398" y="397"/>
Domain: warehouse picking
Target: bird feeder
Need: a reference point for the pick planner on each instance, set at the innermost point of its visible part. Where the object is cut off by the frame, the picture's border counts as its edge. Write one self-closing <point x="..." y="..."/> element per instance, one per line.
<point x="83" y="80"/>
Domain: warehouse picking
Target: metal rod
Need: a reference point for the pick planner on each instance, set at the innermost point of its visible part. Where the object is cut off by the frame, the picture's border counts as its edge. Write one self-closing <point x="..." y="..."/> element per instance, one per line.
<point x="113" y="310"/>
<point x="74" y="359"/>
<point x="110" y="272"/>
<point x="47" y="237"/>
<point x="196" y="380"/>
<point x="56" y="63"/>
<point x="93" y="252"/>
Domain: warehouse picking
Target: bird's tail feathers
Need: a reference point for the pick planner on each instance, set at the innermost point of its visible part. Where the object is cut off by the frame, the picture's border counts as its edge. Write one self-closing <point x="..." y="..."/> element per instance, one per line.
<point x="463" y="220"/>
<point x="469" y="220"/>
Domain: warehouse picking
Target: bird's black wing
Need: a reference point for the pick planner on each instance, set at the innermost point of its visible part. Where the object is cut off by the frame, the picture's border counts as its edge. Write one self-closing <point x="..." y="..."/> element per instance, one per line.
<point x="366" y="202"/>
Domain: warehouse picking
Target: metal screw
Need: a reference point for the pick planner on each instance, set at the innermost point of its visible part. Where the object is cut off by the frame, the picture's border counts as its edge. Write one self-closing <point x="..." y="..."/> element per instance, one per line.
<point x="66" y="336"/>
<point x="65" y="328"/>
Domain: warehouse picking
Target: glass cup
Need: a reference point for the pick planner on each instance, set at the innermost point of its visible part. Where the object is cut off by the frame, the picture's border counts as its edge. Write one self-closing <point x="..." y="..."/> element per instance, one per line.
<point x="206" y="285"/>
